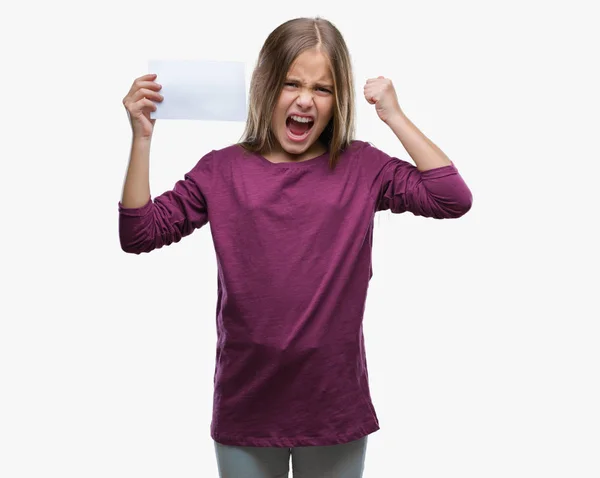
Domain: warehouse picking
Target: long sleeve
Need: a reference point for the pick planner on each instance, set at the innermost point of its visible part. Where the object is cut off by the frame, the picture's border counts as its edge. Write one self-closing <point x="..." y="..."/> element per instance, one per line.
<point x="169" y="217"/>
<point x="399" y="186"/>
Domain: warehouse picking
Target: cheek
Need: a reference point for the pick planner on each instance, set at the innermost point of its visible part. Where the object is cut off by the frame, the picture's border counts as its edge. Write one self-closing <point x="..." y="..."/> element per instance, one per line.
<point x="325" y="108"/>
<point x="278" y="117"/>
<point x="281" y="110"/>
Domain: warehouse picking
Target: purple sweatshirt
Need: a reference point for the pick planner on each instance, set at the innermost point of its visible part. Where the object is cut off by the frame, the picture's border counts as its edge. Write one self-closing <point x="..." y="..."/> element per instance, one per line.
<point x="293" y="246"/>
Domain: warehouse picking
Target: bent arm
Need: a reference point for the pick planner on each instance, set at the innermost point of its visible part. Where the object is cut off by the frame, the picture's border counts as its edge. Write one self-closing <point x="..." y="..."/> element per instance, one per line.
<point x="169" y="217"/>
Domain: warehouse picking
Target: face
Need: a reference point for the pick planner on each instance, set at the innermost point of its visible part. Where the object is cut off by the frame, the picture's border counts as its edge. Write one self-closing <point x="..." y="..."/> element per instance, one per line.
<point x="307" y="95"/>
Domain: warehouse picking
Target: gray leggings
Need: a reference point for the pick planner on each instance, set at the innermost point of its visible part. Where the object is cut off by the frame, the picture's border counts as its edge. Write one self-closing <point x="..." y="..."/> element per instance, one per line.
<point x="335" y="461"/>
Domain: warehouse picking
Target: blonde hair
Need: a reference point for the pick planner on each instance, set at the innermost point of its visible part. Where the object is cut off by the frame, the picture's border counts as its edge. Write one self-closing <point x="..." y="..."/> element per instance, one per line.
<point x="276" y="56"/>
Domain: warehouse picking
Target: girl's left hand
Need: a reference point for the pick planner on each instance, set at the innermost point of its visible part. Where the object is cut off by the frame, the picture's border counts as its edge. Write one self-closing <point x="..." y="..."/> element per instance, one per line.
<point x="381" y="93"/>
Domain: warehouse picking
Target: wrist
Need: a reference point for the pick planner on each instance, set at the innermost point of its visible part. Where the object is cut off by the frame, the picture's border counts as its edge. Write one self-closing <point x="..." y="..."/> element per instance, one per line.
<point x="396" y="119"/>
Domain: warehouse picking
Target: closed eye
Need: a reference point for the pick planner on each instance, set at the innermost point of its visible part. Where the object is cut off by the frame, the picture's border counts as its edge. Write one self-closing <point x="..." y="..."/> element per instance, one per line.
<point x="318" y="88"/>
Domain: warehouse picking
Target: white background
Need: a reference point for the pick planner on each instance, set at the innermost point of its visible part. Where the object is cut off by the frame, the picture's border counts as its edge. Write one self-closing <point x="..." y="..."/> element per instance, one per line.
<point x="482" y="333"/>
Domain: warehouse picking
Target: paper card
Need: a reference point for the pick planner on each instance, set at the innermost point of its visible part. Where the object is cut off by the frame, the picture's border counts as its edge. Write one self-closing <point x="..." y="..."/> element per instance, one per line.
<point x="200" y="90"/>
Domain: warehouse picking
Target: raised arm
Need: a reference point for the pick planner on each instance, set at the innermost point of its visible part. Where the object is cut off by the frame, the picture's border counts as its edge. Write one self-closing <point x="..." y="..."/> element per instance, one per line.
<point x="398" y="186"/>
<point x="169" y="217"/>
<point x="145" y="225"/>
<point x="433" y="187"/>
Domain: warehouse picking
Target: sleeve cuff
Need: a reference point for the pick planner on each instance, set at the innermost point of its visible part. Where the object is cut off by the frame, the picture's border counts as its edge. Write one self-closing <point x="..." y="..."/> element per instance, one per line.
<point x="135" y="211"/>
<point x="440" y="172"/>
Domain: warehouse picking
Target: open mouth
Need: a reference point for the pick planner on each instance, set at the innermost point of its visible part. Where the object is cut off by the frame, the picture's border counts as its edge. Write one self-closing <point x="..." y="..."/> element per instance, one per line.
<point x="298" y="128"/>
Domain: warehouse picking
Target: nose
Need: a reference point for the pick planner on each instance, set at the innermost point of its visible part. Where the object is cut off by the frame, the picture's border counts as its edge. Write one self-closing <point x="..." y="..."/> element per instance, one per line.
<point x="304" y="99"/>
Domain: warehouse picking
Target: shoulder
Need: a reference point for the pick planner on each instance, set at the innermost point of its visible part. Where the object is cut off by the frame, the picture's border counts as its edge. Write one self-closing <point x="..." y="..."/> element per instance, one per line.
<point x="356" y="146"/>
<point x="232" y="150"/>
<point x="225" y="153"/>
<point x="366" y="149"/>
<point x="231" y="154"/>
<point x="218" y="157"/>
<point x="367" y="155"/>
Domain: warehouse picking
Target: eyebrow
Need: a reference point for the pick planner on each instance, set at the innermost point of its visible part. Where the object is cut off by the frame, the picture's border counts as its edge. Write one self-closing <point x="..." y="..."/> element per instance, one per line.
<point x="318" y="83"/>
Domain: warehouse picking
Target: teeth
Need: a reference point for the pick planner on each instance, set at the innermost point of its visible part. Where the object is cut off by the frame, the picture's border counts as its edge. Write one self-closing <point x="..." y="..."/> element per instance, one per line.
<point x="300" y="119"/>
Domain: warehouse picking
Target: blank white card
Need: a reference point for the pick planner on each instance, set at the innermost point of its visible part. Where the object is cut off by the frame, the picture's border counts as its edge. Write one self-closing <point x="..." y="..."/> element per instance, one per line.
<point x="200" y="90"/>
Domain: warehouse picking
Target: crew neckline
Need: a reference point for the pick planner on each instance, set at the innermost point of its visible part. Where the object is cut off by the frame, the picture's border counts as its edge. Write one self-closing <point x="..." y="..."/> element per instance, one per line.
<point x="293" y="164"/>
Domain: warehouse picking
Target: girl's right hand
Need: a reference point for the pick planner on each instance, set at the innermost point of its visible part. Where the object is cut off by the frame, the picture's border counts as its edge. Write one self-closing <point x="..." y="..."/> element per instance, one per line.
<point x="139" y="102"/>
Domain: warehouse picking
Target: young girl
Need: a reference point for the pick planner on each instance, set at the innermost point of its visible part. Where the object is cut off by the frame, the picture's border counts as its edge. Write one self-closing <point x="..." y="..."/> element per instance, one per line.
<point x="292" y="210"/>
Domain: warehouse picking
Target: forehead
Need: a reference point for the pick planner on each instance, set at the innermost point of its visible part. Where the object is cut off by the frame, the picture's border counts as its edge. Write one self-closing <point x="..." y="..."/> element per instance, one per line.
<point x="311" y="65"/>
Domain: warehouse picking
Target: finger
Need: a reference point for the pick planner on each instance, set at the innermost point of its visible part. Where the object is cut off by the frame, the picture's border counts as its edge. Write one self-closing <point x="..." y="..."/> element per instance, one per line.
<point x="149" y="76"/>
<point x="146" y="93"/>
<point x="145" y="105"/>
<point x="148" y="85"/>
<point x="138" y="83"/>
<point x="153" y="85"/>
<point x="149" y="104"/>
<point x="137" y="108"/>
<point x="142" y="80"/>
<point x="370" y="98"/>
<point x="370" y="93"/>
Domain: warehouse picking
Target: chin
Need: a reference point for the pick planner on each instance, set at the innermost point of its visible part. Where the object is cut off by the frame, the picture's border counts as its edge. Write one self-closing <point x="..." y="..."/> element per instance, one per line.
<point x="296" y="148"/>
<point x="293" y="147"/>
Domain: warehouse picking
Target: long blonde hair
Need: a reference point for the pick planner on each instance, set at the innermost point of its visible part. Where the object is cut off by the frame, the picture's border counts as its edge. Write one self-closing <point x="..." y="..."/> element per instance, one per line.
<point x="276" y="56"/>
